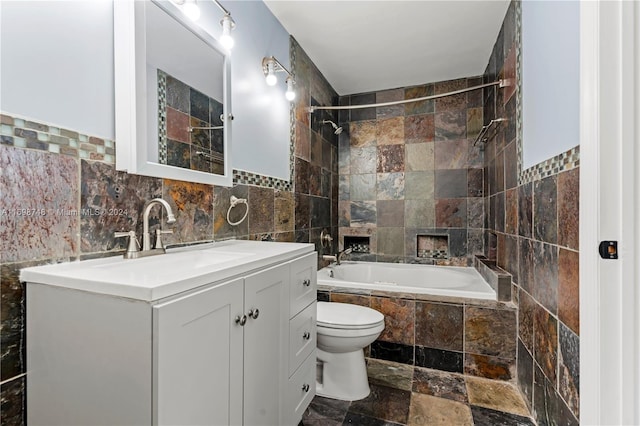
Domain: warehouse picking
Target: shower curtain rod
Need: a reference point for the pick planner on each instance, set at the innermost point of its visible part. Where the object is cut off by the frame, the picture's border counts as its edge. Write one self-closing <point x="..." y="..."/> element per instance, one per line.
<point x="502" y="83"/>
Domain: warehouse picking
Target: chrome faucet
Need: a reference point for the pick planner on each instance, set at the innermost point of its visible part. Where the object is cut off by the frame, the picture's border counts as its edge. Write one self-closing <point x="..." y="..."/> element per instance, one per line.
<point x="146" y="239"/>
<point x="338" y="257"/>
<point x="133" y="247"/>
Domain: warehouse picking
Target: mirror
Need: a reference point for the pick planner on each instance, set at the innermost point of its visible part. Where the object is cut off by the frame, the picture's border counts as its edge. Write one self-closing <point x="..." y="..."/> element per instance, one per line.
<point x="172" y="82"/>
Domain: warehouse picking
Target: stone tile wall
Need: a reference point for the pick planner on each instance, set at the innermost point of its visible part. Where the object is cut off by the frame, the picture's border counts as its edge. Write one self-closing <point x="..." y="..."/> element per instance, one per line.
<point x="62" y="200"/>
<point x="458" y="335"/>
<point x="411" y="170"/>
<point x="533" y="217"/>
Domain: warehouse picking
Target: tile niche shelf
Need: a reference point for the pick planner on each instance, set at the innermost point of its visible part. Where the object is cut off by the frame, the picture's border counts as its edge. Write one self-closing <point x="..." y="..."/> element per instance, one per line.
<point x="433" y="246"/>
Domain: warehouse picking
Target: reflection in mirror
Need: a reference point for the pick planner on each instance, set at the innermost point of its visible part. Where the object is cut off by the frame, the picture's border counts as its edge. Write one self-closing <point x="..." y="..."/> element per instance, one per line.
<point x="174" y="127"/>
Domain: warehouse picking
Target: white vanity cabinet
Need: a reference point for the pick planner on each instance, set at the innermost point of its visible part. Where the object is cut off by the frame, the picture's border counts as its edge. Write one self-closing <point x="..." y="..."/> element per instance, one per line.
<point x="235" y="351"/>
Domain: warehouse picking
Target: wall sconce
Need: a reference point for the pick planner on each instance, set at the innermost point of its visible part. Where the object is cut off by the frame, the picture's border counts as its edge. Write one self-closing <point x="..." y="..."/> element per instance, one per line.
<point x="192" y="10"/>
<point x="270" y="66"/>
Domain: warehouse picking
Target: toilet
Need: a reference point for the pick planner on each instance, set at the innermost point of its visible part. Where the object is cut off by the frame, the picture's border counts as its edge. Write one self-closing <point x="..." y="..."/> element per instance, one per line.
<point x="343" y="331"/>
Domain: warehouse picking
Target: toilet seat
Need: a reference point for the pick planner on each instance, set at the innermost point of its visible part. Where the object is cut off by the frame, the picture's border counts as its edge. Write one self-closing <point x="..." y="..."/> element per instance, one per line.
<point x="347" y="316"/>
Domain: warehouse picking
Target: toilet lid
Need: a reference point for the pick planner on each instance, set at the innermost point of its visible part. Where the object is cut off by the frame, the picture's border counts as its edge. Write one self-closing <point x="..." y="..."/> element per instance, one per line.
<point x="346" y="315"/>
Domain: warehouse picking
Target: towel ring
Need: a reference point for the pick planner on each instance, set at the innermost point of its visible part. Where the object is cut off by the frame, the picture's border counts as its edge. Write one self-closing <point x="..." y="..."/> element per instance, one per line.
<point x="234" y="202"/>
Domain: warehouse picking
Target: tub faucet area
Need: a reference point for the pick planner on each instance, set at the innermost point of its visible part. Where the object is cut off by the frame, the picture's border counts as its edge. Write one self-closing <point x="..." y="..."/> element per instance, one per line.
<point x="338" y="257"/>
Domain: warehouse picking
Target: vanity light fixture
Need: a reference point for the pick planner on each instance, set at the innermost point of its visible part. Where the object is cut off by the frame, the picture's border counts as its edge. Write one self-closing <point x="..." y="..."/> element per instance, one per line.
<point x="192" y="10"/>
<point x="270" y="66"/>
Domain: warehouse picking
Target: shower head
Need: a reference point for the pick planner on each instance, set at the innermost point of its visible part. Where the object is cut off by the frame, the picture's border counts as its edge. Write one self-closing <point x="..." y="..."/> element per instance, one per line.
<point x="336" y="130"/>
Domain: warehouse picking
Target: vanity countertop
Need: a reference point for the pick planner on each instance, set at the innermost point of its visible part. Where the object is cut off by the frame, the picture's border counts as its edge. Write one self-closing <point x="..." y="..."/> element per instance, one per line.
<point x="156" y="277"/>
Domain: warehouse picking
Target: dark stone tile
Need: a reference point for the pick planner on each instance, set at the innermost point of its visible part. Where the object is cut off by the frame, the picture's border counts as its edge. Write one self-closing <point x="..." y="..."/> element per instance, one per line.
<point x="499" y="171"/>
<point x="526" y="318"/>
<point x="302" y="143"/>
<point x="363" y="113"/>
<point x="489" y="367"/>
<point x="362" y="134"/>
<point x="451" y="125"/>
<point x="510" y="126"/>
<point x="325" y="412"/>
<point x="487" y="417"/>
<point x="390" y="242"/>
<point x="419" y="128"/>
<point x="439" y="359"/>
<point x="457" y="242"/>
<point x="510" y="166"/>
<point x="178" y="154"/>
<point x="390" y="96"/>
<point x="390" y="212"/>
<point x="391" y="374"/>
<point x="421" y="107"/>
<point x="363" y="213"/>
<point x="548" y="407"/>
<point x="315" y="180"/>
<point x="383" y="403"/>
<point x="177" y="94"/>
<point x="364" y="160"/>
<point x="261" y="217"/>
<point x="301" y="236"/>
<point x="399" y="318"/>
<point x="511" y="257"/>
<point x="546" y="343"/>
<point x="361" y="420"/>
<point x="451" y="213"/>
<point x="103" y="189"/>
<point x="511" y="212"/>
<point x="177" y="125"/>
<point x="13" y="397"/>
<point x="475" y="242"/>
<point x="320" y="212"/>
<point x="475" y="212"/>
<point x="441" y="384"/>
<point x="569" y="208"/>
<point x="199" y="105"/>
<point x="12" y="325"/>
<point x="490" y="332"/>
<point x="389" y="186"/>
<point x="395" y="352"/>
<point x="545" y="210"/>
<point x="284" y="211"/>
<point x="569" y="368"/>
<point x="316" y="149"/>
<point x="302" y="175"/>
<point x="327" y="155"/>
<point x="475" y="183"/>
<point x="390" y="158"/>
<point x="475" y="97"/>
<point x="525" y="210"/>
<point x="545" y="271"/>
<point x="451" y="154"/>
<point x="453" y="102"/>
<point x="525" y="374"/>
<point x="526" y="264"/>
<point x="451" y="183"/>
<point x="302" y="211"/>
<point x="569" y="289"/>
<point x="439" y="326"/>
<point x="323" y="296"/>
<point x="192" y="205"/>
<point x="216" y="109"/>
<point x="498" y="199"/>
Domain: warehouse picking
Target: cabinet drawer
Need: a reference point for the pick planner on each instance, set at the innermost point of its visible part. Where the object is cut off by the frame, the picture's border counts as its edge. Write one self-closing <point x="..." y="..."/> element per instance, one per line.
<point x="300" y="390"/>
<point x="302" y="289"/>
<point x="302" y="336"/>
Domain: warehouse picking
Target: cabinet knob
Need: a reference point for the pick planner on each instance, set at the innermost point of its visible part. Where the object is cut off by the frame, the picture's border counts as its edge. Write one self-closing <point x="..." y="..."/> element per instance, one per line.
<point x="242" y="320"/>
<point x="253" y="313"/>
<point x="306" y="282"/>
<point x="306" y="335"/>
<point x="305" y="387"/>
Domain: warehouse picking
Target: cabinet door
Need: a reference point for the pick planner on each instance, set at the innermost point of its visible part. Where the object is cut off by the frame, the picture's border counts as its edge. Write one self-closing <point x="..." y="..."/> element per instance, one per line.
<point x="265" y="345"/>
<point x="198" y="358"/>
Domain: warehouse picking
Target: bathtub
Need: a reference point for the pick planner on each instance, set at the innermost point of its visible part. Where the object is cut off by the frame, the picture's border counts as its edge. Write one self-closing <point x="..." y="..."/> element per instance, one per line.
<point x="453" y="281"/>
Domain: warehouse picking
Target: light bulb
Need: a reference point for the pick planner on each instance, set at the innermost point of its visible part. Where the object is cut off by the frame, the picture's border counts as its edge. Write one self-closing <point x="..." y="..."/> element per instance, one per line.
<point x="290" y="94"/>
<point x="225" y="39"/>
<point x="191" y="9"/>
<point x="271" y="74"/>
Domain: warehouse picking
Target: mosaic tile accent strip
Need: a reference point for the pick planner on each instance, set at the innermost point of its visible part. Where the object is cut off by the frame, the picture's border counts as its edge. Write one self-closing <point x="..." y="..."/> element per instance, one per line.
<point x="243" y="177"/>
<point x="23" y="133"/>
<point x="562" y="162"/>
<point x="162" y="117"/>
<point x="360" y="248"/>
<point x="433" y="254"/>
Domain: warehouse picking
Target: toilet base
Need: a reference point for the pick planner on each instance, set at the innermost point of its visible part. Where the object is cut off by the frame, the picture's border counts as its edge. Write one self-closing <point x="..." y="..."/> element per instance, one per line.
<point x="344" y="375"/>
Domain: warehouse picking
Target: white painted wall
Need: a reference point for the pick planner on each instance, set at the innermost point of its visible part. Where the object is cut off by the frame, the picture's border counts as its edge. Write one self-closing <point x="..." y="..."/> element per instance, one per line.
<point x="56" y="66"/>
<point x="550" y="79"/>
<point x="57" y="63"/>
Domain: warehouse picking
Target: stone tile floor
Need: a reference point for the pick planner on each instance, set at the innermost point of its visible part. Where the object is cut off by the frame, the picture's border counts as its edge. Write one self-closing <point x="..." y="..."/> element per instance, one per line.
<point x="405" y="395"/>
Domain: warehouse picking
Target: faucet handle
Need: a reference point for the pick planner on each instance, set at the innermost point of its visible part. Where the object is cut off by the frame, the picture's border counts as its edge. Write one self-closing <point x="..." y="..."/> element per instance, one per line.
<point x="133" y="245"/>
<point x="159" y="232"/>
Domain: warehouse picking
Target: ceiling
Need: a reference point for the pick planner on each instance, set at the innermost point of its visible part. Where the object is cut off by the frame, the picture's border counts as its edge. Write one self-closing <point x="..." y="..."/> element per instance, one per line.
<point x="366" y="46"/>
